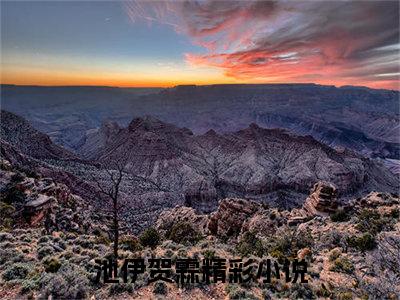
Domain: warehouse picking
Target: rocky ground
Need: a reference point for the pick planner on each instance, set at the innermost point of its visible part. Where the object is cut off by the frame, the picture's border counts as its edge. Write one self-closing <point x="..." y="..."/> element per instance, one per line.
<point x="50" y="238"/>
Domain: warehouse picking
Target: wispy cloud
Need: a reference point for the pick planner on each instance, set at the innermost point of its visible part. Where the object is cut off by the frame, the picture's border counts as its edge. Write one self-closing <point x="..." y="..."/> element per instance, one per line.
<point x="337" y="42"/>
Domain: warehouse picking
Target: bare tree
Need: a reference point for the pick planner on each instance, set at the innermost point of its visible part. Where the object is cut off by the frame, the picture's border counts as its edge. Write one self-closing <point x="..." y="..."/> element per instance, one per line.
<point x="115" y="171"/>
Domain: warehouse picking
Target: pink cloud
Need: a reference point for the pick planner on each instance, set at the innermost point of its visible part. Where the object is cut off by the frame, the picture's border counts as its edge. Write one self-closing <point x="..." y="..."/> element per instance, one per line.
<point x="324" y="42"/>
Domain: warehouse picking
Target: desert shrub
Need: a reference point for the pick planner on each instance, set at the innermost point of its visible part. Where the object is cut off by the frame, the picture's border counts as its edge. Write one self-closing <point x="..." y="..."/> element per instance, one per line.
<point x="29" y="285"/>
<point x="250" y="244"/>
<point x="333" y="239"/>
<point x="76" y="249"/>
<point x="340" y="215"/>
<point x="363" y="243"/>
<point x="183" y="232"/>
<point x="70" y="282"/>
<point x="16" y="271"/>
<point x="235" y="292"/>
<point x="286" y="243"/>
<point x="104" y="240"/>
<point x="5" y="236"/>
<point x="130" y="243"/>
<point x="208" y="254"/>
<point x="370" y="220"/>
<point x="44" y="239"/>
<point x="51" y="264"/>
<point x="6" y="210"/>
<point x="6" y="255"/>
<point x="45" y="251"/>
<point x="11" y="194"/>
<point x="67" y="255"/>
<point x="342" y="264"/>
<point x="160" y="288"/>
<point x="170" y="245"/>
<point x="334" y="254"/>
<point x="323" y="292"/>
<point x="150" y="238"/>
<point x="168" y="253"/>
<point x="119" y="288"/>
<point x="26" y="238"/>
<point x="301" y="291"/>
<point x="344" y="296"/>
<point x="17" y="178"/>
<point x="84" y="242"/>
<point x="384" y="262"/>
<point x="394" y="213"/>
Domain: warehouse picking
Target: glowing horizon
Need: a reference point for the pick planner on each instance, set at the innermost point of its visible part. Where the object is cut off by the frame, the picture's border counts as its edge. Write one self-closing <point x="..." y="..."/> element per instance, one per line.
<point x="164" y="44"/>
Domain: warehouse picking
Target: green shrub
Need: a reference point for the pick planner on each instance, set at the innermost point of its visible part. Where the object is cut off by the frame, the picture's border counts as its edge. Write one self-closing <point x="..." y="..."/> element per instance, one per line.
<point x="84" y="242"/>
<point x="160" y="288"/>
<point x="183" y="232"/>
<point x="51" y="264"/>
<point x="342" y="264"/>
<point x="29" y="285"/>
<point x="340" y="215"/>
<point x="119" y="288"/>
<point x="45" y="251"/>
<point x="370" y="220"/>
<point x="235" y="292"/>
<point x="6" y="210"/>
<point x="4" y="236"/>
<point x="301" y="291"/>
<point x="16" y="271"/>
<point x="345" y="296"/>
<point x="150" y="238"/>
<point x="334" y="254"/>
<point x="44" y="239"/>
<point x="250" y="244"/>
<point x="286" y="243"/>
<point x="394" y="213"/>
<point x="102" y="240"/>
<point x="130" y="243"/>
<point x="11" y="194"/>
<point x="70" y="282"/>
<point x="208" y="254"/>
<point x="363" y="243"/>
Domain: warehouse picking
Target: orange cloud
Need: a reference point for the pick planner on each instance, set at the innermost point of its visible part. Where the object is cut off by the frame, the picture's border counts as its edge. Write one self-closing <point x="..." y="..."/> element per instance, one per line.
<point x="291" y="41"/>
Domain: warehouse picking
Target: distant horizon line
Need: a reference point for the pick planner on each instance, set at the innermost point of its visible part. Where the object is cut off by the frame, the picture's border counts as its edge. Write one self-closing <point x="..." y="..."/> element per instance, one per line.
<point x="188" y="85"/>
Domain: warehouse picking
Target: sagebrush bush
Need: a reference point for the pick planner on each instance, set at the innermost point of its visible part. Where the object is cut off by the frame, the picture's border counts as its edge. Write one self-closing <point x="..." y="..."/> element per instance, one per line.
<point x="342" y="264"/>
<point x="150" y="238"/>
<point x="45" y="239"/>
<point x="70" y="282"/>
<point x="51" y="264"/>
<point x="16" y="271"/>
<point x="130" y="243"/>
<point x="340" y="215"/>
<point x="45" y="251"/>
<point x="235" y="292"/>
<point x="370" y="220"/>
<point x="286" y="243"/>
<point x="5" y="236"/>
<point x="250" y="244"/>
<point x="334" y="254"/>
<point x="363" y="243"/>
<point x="183" y="232"/>
<point x="160" y="288"/>
<point x="119" y="288"/>
<point x="208" y="254"/>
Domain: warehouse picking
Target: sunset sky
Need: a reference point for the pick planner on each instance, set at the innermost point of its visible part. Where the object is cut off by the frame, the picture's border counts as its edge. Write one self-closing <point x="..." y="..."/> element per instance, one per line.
<point x="118" y="43"/>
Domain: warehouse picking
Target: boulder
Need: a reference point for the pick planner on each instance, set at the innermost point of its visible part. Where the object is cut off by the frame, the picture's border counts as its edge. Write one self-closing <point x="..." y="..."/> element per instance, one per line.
<point x="181" y="214"/>
<point x="228" y="220"/>
<point x="322" y="201"/>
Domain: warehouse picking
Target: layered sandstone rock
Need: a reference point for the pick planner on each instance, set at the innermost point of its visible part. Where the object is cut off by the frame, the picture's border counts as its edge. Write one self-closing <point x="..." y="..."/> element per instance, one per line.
<point x="182" y="214"/>
<point x="228" y="220"/>
<point x="322" y="201"/>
